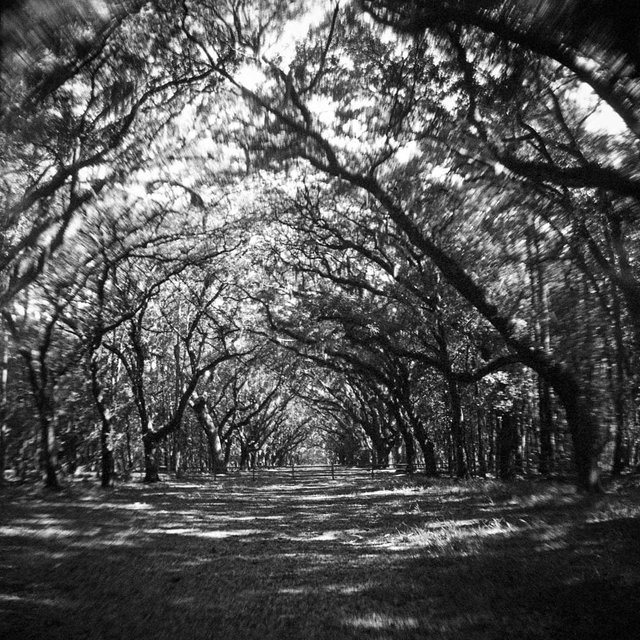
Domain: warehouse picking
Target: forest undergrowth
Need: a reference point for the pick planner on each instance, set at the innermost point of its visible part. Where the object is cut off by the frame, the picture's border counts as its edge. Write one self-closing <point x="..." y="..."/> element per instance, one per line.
<point x="384" y="558"/>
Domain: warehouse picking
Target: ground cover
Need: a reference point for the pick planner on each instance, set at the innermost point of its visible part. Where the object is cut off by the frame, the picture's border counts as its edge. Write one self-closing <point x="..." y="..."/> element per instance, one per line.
<point x="276" y="558"/>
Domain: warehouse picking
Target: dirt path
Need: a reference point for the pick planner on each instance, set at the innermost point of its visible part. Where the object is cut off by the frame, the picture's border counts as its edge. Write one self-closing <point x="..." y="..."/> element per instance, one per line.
<point x="315" y="559"/>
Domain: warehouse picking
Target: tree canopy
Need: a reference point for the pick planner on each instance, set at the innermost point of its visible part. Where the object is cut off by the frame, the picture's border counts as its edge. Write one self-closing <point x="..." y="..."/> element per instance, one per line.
<point x="244" y="233"/>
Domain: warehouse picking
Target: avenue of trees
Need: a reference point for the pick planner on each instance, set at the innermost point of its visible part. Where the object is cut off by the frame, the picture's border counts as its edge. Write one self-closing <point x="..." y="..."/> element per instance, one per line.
<point x="248" y="233"/>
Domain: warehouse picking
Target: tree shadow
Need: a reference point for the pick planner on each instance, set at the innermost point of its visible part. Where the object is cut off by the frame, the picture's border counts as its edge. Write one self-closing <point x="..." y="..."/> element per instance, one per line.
<point x="316" y="560"/>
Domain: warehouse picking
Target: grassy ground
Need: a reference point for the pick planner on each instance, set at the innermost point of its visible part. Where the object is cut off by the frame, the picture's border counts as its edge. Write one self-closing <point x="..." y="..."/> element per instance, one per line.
<point x="315" y="559"/>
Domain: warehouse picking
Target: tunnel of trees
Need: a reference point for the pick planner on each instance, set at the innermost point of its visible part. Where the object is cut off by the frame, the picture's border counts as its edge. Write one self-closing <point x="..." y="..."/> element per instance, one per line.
<point x="249" y="233"/>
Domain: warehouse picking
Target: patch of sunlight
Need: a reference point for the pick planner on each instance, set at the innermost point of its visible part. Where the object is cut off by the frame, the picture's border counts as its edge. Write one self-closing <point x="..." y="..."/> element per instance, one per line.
<point x="47" y="532"/>
<point x="294" y="591"/>
<point x="198" y="533"/>
<point x="603" y="119"/>
<point x="551" y="533"/>
<point x="323" y="497"/>
<point x="343" y="589"/>
<point x="183" y="486"/>
<point x="327" y="535"/>
<point x="88" y="498"/>
<point x="400" y="491"/>
<point x="324" y="109"/>
<point x="34" y="600"/>
<point x="248" y="518"/>
<point x="495" y="527"/>
<point x="283" y="45"/>
<point x="612" y="509"/>
<point x="228" y="533"/>
<point x="555" y="545"/>
<point x="278" y="488"/>
<point x="408" y="152"/>
<point x="122" y="541"/>
<point x="46" y="520"/>
<point x="448" y="536"/>
<point x="357" y="535"/>
<point x="184" y="515"/>
<point x="250" y="76"/>
<point x="137" y="506"/>
<point x="381" y="621"/>
<point x="9" y="597"/>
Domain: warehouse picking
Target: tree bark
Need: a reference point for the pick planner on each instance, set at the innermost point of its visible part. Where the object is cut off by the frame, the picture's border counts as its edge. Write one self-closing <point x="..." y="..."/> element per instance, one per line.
<point x="460" y="465"/>
<point x="150" y="464"/>
<point x="4" y="375"/>
<point x="382" y="450"/>
<point x="106" y="427"/>
<point x="619" y="454"/>
<point x="410" y="448"/>
<point x="430" y="459"/>
<point x="546" y="462"/>
<point x="480" y="420"/>
<point x="199" y="406"/>
<point x="540" y="301"/>
<point x="50" y="452"/>
<point x="244" y="456"/>
<point x="3" y="445"/>
<point x="227" y="452"/>
<point x="48" y="441"/>
<point x="426" y="446"/>
<point x="507" y="446"/>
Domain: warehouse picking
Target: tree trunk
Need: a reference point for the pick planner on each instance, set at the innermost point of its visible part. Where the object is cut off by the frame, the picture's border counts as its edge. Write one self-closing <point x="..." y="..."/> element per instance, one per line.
<point x="619" y="450"/>
<point x="244" y="456"/>
<point x="382" y="451"/>
<point x="540" y="302"/>
<point x="150" y="464"/>
<point x="227" y="452"/>
<point x="430" y="460"/>
<point x="215" y="448"/>
<point x="129" y="459"/>
<point x="106" y="457"/>
<point x="546" y="462"/>
<point x="410" y="450"/>
<point x="199" y="406"/>
<point x="4" y="374"/>
<point x="455" y="405"/>
<point x="426" y="445"/>
<point x="106" y="448"/>
<point x="3" y="445"/>
<point x="4" y="430"/>
<point x="48" y="441"/>
<point x="461" y="470"/>
<point x="177" y="462"/>
<point x="619" y="454"/>
<point x="507" y="446"/>
<point x="584" y="435"/>
<point x="480" y="418"/>
<point x="49" y="451"/>
<point x="519" y="429"/>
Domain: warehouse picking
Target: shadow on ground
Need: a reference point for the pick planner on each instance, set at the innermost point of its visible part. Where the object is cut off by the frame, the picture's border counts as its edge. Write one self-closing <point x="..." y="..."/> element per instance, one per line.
<point x="357" y="558"/>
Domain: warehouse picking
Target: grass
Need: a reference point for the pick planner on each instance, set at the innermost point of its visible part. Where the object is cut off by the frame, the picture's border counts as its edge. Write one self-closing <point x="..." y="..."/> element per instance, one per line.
<point x="382" y="558"/>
